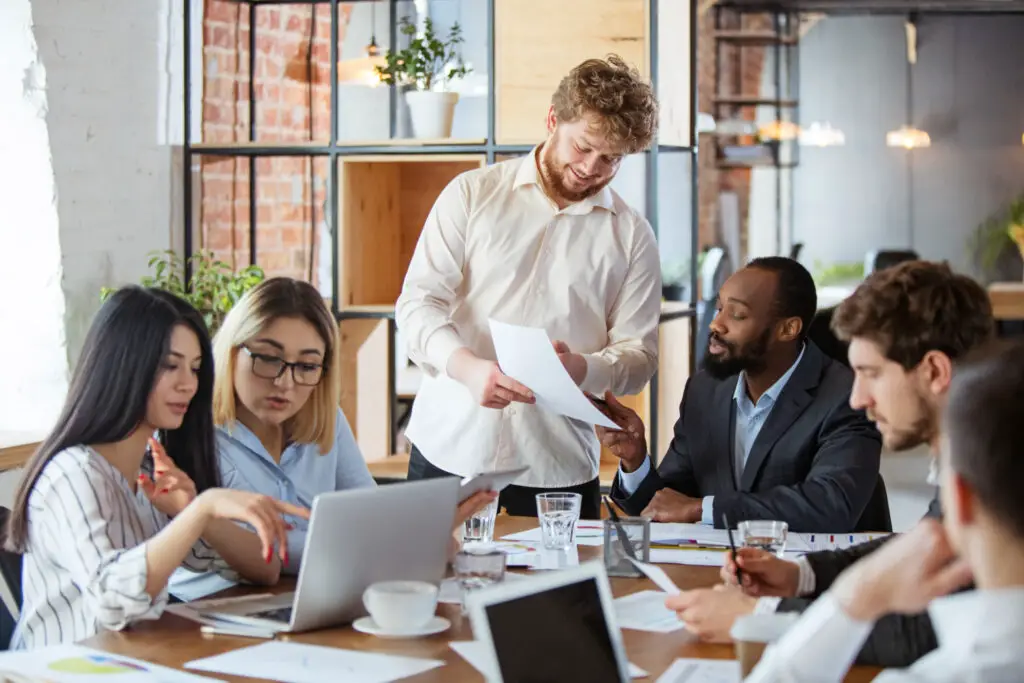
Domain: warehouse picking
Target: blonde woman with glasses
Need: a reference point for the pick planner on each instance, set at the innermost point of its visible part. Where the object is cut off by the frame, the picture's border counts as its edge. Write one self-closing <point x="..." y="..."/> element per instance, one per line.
<point x="275" y="405"/>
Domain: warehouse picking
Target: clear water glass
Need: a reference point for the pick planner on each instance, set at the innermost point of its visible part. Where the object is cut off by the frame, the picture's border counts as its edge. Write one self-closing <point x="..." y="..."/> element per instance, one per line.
<point x="477" y="567"/>
<point x="764" y="534"/>
<point x="558" y="514"/>
<point x="479" y="528"/>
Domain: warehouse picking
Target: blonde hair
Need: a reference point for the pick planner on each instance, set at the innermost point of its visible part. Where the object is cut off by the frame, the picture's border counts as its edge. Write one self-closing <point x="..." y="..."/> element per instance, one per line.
<point x="280" y="297"/>
<point x="611" y="91"/>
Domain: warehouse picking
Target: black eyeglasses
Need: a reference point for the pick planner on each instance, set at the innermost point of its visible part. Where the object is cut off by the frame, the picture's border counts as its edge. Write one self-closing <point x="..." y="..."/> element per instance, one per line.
<point x="271" y="367"/>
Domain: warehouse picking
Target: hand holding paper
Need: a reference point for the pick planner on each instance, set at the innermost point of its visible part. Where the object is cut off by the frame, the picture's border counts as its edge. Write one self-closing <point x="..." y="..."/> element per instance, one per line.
<point x="527" y="355"/>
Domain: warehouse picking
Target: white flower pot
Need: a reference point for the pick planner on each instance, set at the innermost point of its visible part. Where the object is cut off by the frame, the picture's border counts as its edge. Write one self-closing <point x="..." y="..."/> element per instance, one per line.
<point x="431" y="113"/>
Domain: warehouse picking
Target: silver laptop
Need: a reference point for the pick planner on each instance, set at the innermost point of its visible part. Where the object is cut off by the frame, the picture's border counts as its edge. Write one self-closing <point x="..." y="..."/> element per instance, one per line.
<point x="568" y="615"/>
<point x="355" y="538"/>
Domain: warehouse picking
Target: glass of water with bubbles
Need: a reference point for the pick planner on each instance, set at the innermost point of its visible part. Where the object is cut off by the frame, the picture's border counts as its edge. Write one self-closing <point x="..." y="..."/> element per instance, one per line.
<point x="765" y="535"/>
<point x="558" y="513"/>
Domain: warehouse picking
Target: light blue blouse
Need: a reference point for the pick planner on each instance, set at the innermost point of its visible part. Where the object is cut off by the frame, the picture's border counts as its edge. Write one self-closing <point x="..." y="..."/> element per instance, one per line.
<point x="302" y="474"/>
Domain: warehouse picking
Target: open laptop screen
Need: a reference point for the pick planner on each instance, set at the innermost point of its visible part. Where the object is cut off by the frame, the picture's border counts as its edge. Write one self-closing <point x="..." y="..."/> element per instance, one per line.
<point x="559" y="634"/>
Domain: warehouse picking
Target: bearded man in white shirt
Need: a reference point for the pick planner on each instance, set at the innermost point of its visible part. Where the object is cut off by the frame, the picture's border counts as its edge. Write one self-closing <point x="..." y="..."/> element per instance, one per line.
<point x="540" y="241"/>
<point x="981" y="536"/>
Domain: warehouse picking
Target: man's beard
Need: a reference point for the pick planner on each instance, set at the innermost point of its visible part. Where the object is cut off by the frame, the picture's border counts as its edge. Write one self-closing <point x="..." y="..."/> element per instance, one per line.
<point x="921" y="431"/>
<point x="552" y="175"/>
<point x="749" y="359"/>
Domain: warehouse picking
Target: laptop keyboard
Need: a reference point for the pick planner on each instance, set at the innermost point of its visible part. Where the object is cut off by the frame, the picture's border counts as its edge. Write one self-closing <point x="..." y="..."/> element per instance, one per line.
<point x="282" y="614"/>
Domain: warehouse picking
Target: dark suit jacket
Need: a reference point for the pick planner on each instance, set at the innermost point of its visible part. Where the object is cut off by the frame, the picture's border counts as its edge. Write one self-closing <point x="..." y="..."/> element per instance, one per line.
<point x="897" y="640"/>
<point x="813" y="465"/>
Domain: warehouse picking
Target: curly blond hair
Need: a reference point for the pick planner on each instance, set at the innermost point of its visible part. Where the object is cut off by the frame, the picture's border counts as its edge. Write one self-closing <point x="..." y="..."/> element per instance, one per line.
<point x="613" y="93"/>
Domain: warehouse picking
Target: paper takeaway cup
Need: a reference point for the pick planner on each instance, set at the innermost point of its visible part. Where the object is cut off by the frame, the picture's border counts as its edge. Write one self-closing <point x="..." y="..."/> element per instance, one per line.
<point x="754" y="632"/>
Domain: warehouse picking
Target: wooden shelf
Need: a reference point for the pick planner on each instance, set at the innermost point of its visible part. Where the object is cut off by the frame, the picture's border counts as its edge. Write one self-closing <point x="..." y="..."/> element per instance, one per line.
<point x="1007" y="300"/>
<point x="752" y="101"/>
<point x="754" y="38"/>
<point x="393" y="142"/>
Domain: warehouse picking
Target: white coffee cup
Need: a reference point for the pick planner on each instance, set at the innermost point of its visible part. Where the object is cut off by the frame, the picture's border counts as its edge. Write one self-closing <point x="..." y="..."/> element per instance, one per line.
<point x="401" y="606"/>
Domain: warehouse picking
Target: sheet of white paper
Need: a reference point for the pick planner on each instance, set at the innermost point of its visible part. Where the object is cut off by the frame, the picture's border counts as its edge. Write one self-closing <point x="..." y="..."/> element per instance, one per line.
<point x="657" y="575"/>
<point x="189" y="586"/>
<point x="479" y="657"/>
<point x="588" y="532"/>
<point x="702" y="671"/>
<point x="77" y="664"/>
<point x="190" y="610"/>
<point x="526" y="355"/>
<point x="697" y="534"/>
<point x="300" y="663"/>
<point x="696" y="558"/>
<point x="646" y="611"/>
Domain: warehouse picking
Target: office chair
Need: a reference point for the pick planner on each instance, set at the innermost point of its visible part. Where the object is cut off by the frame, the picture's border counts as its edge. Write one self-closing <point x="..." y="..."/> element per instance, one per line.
<point x="10" y="591"/>
<point x="714" y="271"/>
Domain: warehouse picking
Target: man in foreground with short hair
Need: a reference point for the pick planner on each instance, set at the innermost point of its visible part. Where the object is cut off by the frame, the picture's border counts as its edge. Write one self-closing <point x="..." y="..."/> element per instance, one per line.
<point x="981" y="536"/>
<point x="906" y="326"/>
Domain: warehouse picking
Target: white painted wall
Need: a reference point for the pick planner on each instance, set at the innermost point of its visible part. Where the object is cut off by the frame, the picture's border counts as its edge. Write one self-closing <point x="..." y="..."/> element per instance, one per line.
<point x="32" y="305"/>
<point x="110" y="71"/>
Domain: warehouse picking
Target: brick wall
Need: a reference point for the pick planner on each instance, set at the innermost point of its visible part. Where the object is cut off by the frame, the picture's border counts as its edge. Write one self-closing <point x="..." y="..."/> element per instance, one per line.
<point x="711" y="180"/>
<point x="290" y="191"/>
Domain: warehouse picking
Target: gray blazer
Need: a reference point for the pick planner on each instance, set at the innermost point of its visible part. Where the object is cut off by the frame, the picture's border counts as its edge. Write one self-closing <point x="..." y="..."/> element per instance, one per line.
<point x="814" y="463"/>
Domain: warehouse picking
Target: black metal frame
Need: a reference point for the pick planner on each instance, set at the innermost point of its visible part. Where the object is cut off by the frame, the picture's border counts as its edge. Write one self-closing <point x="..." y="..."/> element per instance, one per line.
<point x="489" y="148"/>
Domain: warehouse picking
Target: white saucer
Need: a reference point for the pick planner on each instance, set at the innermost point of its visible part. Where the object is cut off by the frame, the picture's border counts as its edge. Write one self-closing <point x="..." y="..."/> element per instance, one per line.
<point x="368" y="625"/>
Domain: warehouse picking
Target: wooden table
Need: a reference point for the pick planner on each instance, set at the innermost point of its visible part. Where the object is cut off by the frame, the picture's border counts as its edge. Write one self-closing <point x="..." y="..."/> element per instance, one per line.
<point x="172" y="641"/>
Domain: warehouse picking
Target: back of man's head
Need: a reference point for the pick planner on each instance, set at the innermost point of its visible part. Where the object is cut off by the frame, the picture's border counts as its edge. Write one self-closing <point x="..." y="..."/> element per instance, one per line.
<point x="915" y="307"/>
<point x="984" y="427"/>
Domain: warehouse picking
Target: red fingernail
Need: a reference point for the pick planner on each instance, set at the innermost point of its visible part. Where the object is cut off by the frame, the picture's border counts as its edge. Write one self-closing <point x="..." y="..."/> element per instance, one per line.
<point x="142" y="477"/>
<point x="165" y="490"/>
<point x="289" y="527"/>
<point x="269" y="555"/>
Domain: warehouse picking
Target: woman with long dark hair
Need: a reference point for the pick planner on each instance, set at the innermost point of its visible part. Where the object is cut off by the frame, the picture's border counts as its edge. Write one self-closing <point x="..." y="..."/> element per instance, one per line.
<point x="101" y="520"/>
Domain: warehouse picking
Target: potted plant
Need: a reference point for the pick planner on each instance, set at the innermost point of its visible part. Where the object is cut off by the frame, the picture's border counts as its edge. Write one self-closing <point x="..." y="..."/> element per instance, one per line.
<point x="215" y="287"/>
<point x="997" y="244"/>
<point x="675" y="280"/>
<point x="424" y="70"/>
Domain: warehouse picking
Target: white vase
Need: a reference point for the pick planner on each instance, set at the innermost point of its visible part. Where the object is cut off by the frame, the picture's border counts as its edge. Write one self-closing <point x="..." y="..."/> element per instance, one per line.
<point x="431" y="113"/>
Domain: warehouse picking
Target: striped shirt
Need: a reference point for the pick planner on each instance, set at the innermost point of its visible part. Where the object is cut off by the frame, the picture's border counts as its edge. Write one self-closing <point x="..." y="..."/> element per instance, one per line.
<point x="85" y="567"/>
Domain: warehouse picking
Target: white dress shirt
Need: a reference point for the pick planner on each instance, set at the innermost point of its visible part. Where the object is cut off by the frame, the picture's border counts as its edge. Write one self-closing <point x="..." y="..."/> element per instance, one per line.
<point x="979" y="632"/>
<point x="85" y="566"/>
<point x="496" y="246"/>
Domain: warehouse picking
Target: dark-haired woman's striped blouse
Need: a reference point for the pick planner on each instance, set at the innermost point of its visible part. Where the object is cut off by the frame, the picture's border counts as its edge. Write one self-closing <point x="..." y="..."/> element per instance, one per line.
<point x="85" y="566"/>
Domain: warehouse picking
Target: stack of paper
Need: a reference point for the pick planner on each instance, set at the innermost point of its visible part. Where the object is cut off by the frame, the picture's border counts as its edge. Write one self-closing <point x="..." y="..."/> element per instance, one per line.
<point x="299" y="663"/>
<point x="646" y="611"/>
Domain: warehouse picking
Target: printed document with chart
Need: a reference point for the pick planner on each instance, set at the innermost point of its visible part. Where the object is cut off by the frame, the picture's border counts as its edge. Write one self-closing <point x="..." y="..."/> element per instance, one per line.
<point x="527" y="355"/>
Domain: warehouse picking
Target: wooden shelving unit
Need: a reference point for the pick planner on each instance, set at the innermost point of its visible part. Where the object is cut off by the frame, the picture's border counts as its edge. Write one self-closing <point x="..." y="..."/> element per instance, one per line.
<point x="380" y="191"/>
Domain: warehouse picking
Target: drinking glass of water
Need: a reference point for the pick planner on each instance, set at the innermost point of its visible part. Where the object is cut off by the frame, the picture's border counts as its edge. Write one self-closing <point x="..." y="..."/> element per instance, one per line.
<point x="766" y="535"/>
<point x="479" y="528"/>
<point x="477" y="567"/>
<point x="558" y="513"/>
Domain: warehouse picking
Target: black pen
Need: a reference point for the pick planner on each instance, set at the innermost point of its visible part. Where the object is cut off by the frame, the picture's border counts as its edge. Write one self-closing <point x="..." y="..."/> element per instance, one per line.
<point x="732" y="546"/>
<point x="627" y="545"/>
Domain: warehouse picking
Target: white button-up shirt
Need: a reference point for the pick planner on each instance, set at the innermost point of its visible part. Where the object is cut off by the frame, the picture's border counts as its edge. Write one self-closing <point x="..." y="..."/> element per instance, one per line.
<point x="979" y="635"/>
<point x="496" y="246"/>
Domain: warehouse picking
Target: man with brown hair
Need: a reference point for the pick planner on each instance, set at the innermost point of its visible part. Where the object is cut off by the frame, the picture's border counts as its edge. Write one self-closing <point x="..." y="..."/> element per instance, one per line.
<point x="906" y="326"/>
<point x="540" y="241"/>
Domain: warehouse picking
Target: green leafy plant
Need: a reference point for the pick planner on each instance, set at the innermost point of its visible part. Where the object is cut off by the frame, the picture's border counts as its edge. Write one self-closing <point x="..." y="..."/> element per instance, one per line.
<point x="428" y="61"/>
<point x="837" y="273"/>
<point x="995" y="235"/>
<point x="215" y="286"/>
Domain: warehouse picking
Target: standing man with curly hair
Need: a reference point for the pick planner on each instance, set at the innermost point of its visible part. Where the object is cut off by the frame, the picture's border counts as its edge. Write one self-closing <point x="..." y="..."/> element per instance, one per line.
<point x="540" y="241"/>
